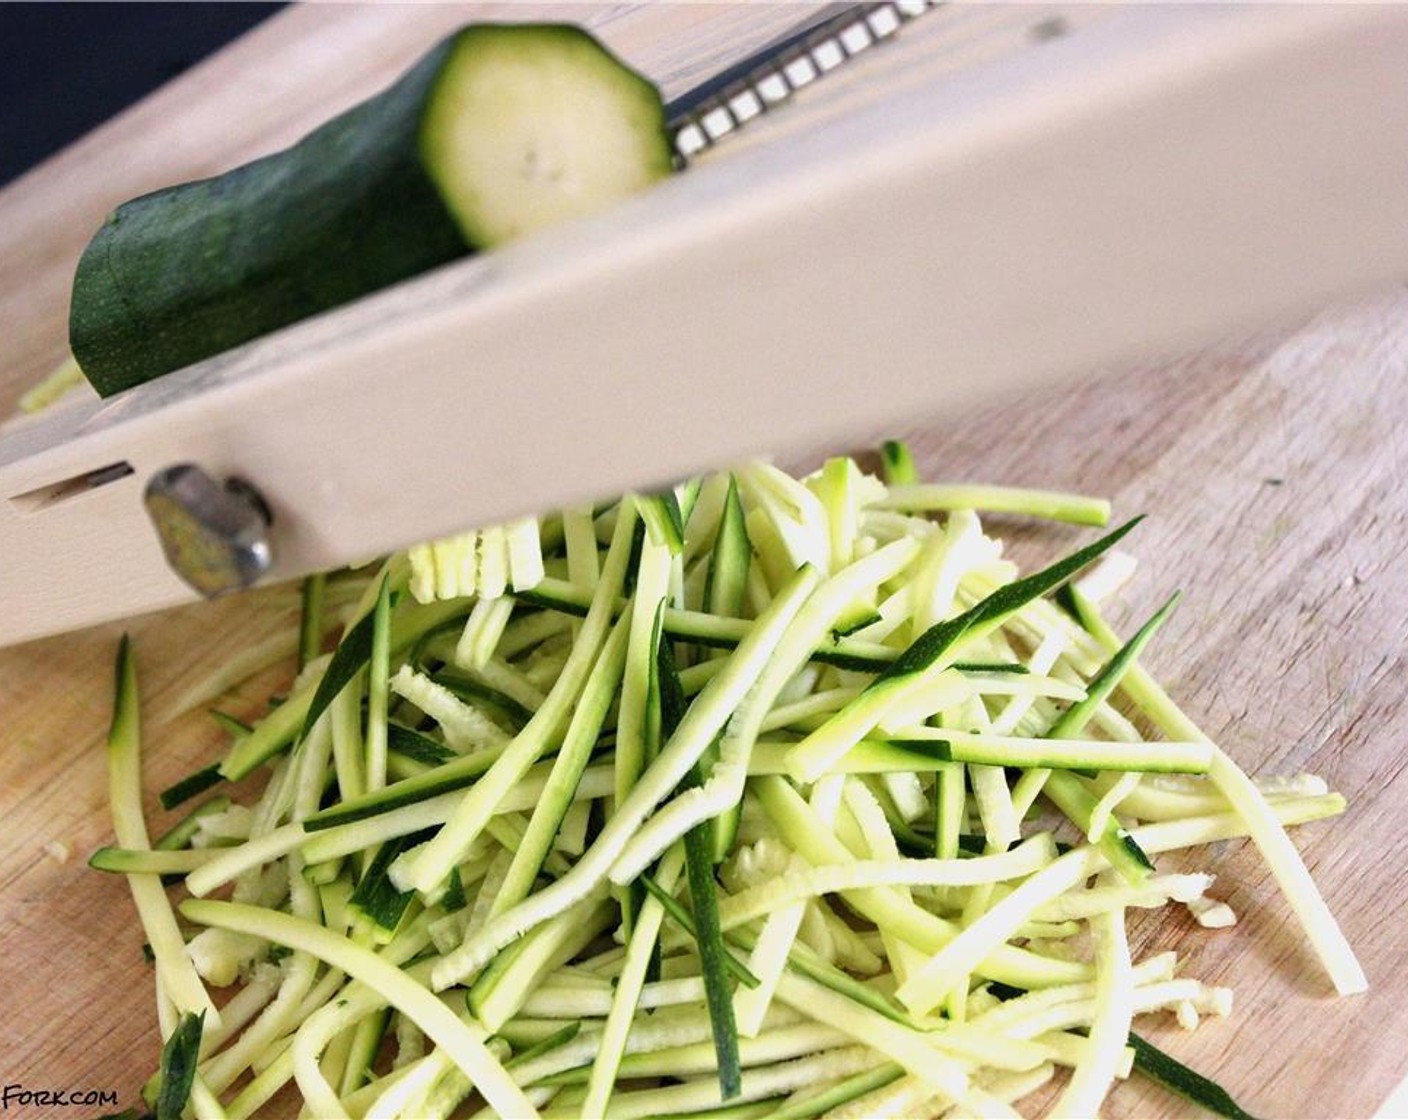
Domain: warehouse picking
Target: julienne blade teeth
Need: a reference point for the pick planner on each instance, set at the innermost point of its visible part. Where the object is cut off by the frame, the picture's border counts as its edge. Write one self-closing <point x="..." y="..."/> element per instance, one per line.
<point x="580" y="870"/>
<point x="771" y="77"/>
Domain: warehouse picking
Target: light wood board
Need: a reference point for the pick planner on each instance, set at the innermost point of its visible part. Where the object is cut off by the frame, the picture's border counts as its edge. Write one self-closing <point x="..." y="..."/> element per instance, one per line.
<point x="1274" y="471"/>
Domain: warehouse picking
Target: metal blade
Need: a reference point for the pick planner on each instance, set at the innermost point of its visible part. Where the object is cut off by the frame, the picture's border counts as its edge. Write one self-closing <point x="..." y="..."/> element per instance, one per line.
<point x="768" y="78"/>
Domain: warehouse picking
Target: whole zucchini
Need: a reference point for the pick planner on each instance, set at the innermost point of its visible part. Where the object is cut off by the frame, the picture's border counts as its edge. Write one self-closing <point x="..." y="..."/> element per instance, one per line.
<point x="500" y="130"/>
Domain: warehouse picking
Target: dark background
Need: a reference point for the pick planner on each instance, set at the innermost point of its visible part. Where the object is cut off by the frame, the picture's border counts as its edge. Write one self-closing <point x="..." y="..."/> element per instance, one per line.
<point x="67" y="67"/>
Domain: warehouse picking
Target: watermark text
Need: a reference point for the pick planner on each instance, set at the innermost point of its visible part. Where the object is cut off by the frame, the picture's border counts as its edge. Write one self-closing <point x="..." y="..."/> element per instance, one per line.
<point x="21" y="1096"/>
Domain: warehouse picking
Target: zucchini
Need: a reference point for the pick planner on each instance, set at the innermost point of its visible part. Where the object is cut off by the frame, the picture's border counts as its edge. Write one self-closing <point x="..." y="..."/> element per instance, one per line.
<point x="829" y="962"/>
<point x="499" y="131"/>
<point x="178" y="1066"/>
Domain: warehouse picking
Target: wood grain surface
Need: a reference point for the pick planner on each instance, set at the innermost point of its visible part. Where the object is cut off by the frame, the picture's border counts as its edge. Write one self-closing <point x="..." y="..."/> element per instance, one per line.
<point x="1274" y="470"/>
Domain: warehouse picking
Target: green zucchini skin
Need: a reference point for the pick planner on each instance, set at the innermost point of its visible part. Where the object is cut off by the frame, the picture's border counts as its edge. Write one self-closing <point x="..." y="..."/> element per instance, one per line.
<point x="368" y="199"/>
<point x="175" y="276"/>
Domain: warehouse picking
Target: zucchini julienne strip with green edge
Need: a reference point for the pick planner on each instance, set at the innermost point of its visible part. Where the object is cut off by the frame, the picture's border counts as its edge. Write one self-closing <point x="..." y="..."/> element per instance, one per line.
<point x="197" y="782"/>
<point x="1192" y="1086"/>
<point x="179" y="1056"/>
<point x="1247" y="800"/>
<point x="925" y="658"/>
<point x="997" y="499"/>
<point x="699" y="849"/>
<point x="831" y="857"/>
<point x="179" y="980"/>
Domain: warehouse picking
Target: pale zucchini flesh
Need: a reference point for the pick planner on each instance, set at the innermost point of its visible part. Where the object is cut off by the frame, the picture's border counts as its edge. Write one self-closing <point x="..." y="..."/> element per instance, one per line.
<point x="526" y="138"/>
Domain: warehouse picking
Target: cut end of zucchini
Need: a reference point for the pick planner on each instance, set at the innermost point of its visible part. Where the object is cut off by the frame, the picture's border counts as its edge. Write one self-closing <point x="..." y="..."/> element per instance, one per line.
<point x="532" y="125"/>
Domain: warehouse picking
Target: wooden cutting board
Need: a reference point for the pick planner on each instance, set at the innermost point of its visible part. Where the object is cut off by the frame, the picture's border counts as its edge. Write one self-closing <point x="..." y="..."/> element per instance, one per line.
<point x="1274" y="470"/>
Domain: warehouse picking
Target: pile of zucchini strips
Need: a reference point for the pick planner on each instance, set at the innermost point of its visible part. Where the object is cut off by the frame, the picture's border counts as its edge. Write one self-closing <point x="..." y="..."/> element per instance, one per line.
<point x="760" y="797"/>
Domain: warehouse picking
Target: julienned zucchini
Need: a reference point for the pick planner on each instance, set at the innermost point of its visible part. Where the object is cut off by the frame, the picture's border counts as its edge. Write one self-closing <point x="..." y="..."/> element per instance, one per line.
<point x="499" y="131"/>
<point x="846" y="911"/>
